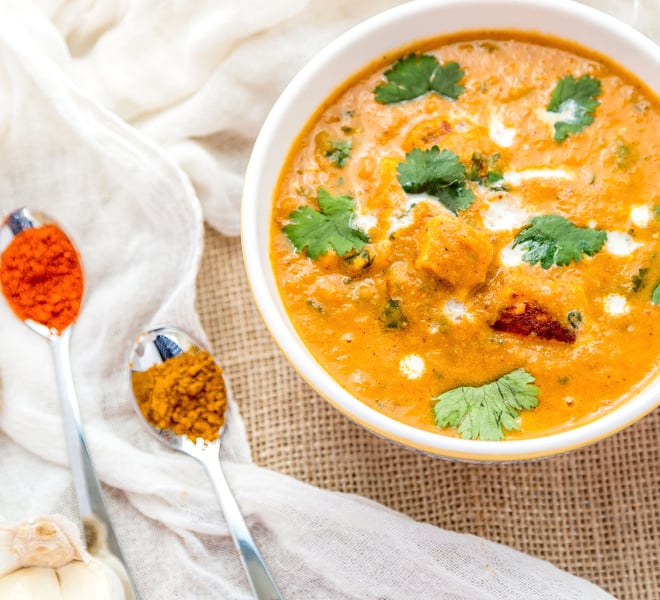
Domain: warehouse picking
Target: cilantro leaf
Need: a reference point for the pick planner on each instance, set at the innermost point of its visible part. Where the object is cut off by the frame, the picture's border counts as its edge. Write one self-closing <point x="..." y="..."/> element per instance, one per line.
<point x="484" y="412"/>
<point x="445" y="80"/>
<point x="439" y="173"/>
<point x="554" y="240"/>
<point x="415" y="75"/>
<point x="328" y="227"/>
<point x="655" y="295"/>
<point x="575" y="98"/>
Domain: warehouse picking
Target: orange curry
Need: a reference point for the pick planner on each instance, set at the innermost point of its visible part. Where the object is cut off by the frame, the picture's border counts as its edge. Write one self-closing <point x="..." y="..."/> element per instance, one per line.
<point x="474" y="207"/>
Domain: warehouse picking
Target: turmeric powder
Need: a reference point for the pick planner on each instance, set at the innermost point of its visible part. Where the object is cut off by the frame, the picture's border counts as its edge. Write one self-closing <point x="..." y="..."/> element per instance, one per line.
<point x="185" y="394"/>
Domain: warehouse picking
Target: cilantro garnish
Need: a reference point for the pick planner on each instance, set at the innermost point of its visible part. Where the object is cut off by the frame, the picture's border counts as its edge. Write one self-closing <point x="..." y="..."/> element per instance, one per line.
<point x="655" y="295"/>
<point x="574" y="318"/>
<point x="439" y="173"/>
<point x="577" y="99"/>
<point x="328" y="227"/>
<point x="554" y="240"/>
<point x="415" y="75"/>
<point x="484" y="171"/>
<point x="639" y="280"/>
<point x="392" y="315"/>
<point x="339" y="151"/>
<point x="626" y="155"/>
<point x="484" y="412"/>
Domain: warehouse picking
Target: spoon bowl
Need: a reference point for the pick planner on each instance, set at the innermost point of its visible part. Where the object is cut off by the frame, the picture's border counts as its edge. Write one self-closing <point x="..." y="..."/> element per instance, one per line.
<point x="17" y="222"/>
<point x="153" y="348"/>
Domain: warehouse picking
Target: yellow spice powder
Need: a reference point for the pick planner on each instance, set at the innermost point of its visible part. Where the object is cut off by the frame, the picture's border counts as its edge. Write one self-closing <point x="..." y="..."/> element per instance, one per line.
<point x="185" y="394"/>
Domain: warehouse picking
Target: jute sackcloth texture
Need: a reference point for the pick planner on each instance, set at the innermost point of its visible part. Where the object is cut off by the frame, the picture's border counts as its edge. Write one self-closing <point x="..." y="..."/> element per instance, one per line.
<point x="593" y="512"/>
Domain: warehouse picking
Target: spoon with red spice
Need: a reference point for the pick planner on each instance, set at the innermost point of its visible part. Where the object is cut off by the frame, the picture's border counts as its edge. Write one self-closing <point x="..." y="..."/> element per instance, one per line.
<point x="178" y="390"/>
<point x="42" y="280"/>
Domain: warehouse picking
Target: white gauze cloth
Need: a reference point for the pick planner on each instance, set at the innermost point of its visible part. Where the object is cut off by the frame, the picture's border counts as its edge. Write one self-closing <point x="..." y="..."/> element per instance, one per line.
<point x="108" y="111"/>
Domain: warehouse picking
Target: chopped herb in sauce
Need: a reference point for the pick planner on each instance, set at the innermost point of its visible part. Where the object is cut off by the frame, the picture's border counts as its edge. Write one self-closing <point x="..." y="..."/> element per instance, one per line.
<point x="392" y="315"/>
<point x="574" y="318"/>
<point x="655" y="295"/>
<point x="575" y="100"/>
<point x="318" y="231"/>
<point x="438" y="173"/>
<point x="553" y="240"/>
<point x="626" y="155"/>
<point x="484" y="412"/>
<point x="417" y="74"/>
<point x="358" y="260"/>
<point x="339" y="152"/>
<point x="639" y="279"/>
<point x="485" y="171"/>
<point x="315" y="305"/>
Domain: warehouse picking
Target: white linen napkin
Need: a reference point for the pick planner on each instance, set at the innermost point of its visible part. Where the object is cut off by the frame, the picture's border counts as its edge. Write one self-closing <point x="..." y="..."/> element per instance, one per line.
<point x="108" y="111"/>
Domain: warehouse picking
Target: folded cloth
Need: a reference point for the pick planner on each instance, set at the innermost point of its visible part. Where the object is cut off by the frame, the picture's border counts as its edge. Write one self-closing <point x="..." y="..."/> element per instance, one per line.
<point x="199" y="77"/>
<point x="108" y="111"/>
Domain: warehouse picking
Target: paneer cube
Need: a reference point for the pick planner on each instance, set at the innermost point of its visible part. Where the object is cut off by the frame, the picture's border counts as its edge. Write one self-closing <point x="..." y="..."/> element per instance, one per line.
<point x="455" y="251"/>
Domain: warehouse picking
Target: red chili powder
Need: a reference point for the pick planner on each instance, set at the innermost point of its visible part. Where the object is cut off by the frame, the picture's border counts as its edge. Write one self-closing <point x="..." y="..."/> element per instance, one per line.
<point x="42" y="277"/>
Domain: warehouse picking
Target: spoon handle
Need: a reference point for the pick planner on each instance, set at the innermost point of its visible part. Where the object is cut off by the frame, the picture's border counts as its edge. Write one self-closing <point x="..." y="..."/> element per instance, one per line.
<point x="85" y="482"/>
<point x="262" y="583"/>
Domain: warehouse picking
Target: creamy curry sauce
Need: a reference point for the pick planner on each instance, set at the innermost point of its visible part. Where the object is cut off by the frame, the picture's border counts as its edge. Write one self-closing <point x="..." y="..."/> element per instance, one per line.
<point x="437" y="300"/>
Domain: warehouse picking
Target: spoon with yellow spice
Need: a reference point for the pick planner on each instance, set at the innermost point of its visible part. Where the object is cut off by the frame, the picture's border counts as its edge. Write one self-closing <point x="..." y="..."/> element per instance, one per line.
<point x="181" y="395"/>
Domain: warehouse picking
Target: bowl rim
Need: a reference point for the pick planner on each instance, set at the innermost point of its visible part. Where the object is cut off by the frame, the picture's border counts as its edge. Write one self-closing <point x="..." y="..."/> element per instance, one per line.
<point x="635" y="46"/>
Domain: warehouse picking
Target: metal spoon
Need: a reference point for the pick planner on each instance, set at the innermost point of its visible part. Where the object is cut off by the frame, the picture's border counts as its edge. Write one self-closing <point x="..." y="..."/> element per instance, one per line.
<point x="159" y="345"/>
<point x="94" y="516"/>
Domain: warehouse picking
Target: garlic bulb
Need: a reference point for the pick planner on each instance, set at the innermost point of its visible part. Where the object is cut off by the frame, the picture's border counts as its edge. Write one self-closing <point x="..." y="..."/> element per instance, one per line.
<point x="47" y="560"/>
<point x="51" y="541"/>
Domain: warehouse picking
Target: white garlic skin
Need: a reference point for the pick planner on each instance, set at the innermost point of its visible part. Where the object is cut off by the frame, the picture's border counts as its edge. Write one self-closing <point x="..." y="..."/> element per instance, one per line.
<point x="44" y="541"/>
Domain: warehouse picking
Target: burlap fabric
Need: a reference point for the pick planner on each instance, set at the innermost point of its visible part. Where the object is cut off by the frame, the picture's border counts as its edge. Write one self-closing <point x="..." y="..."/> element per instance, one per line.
<point x="593" y="512"/>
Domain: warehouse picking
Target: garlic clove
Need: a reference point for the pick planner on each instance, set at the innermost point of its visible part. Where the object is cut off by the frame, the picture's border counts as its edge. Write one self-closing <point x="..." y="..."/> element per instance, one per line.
<point x="117" y="573"/>
<point x="34" y="583"/>
<point x="89" y="581"/>
<point x="96" y="543"/>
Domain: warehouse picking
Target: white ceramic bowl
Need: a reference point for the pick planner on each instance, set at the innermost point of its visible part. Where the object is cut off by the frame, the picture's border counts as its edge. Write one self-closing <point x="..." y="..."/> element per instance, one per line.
<point x="348" y="54"/>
